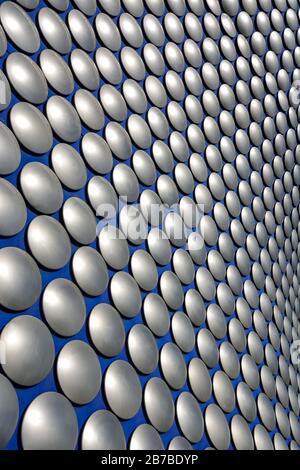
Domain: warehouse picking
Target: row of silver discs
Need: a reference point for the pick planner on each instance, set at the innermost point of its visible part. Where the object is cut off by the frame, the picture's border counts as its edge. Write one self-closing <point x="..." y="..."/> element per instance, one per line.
<point x="160" y="102"/>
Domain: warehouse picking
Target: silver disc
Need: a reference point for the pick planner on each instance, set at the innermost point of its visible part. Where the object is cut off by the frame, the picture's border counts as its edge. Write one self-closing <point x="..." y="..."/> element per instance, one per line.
<point x="56" y="428"/>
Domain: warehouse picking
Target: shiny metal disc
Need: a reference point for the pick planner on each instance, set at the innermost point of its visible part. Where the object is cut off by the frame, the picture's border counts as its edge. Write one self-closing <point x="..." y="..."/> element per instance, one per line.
<point x="173" y="365"/>
<point x="63" y="307"/>
<point x="223" y="391"/>
<point x="217" y="427"/>
<point x="241" y="434"/>
<point x="25" y="36"/>
<point x="26" y="78"/>
<point x="179" y="443"/>
<point x="9" y="410"/>
<point x="107" y="330"/>
<point x="57" y="72"/>
<point x="79" y="372"/>
<point x="54" y="31"/>
<point x="159" y="404"/>
<point x="142" y="349"/>
<point x="103" y="431"/>
<point x="199" y="379"/>
<point x="156" y="314"/>
<point x="145" y="437"/>
<point x="13" y="213"/>
<point x="56" y="428"/>
<point x="144" y="270"/>
<point x="31" y="128"/>
<point x="79" y="220"/>
<point x="29" y="350"/>
<point x="189" y="417"/>
<point x="10" y="154"/>
<point x="41" y="188"/>
<point x="49" y="242"/>
<point x="123" y="389"/>
<point x="20" y="277"/>
<point x="183" y="332"/>
<point x="63" y="118"/>
<point x="69" y="166"/>
<point x="125" y="294"/>
<point x="171" y="290"/>
<point x="90" y="271"/>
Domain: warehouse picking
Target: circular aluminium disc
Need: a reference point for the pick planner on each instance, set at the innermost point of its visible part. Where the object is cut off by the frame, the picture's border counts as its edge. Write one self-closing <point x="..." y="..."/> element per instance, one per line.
<point x="56" y="428"/>
<point x="223" y="391"/>
<point x="41" y="188"/>
<point x="183" y="332"/>
<point x="103" y="431"/>
<point x="159" y="246"/>
<point x="189" y="417"/>
<point x="13" y="213"/>
<point x="229" y="360"/>
<point x="217" y="427"/>
<point x="79" y="372"/>
<point x="108" y="31"/>
<point x="20" y="279"/>
<point x="156" y="314"/>
<point x="63" y="118"/>
<point x="145" y="437"/>
<point x="97" y="153"/>
<point x="84" y="69"/>
<point x="89" y="109"/>
<point x="118" y="140"/>
<point x="114" y="247"/>
<point x="125" y="294"/>
<point x="262" y="439"/>
<point x="142" y="349"/>
<point x="81" y="30"/>
<point x="69" y="166"/>
<point x="123" y="389"/>
<point x="32" y="86"/>
<point x="246" y="402"/>
<point x="113" y="102"/>
<point x="10" y="153"/>
<point x="144" y="270"/>
<point x="199" y="379"/>
<point x="207" y="347"/>
<point x="64" y="307"/>
<point x="79" y="220"/>
<point x="183" y="266"/>
<point x="195" y="307"/>
<point x="29" y="350"/>
<point x="25" y="36"/>
<point x="125" y="182"/>
<point x="54" y="31"/>
<point x="241" y="434"/>
<point x="108" y="66"/>
<point x="180" y="443"/>
<point x="57" y="72"/>
<point x="31" y="128"/>
<point x="90" y="271"/>
<point x="9" y="410"/>
<point x="144" y="168"/>
<point x="173" y="365"/>
<point x="134" y="96"/>
<point x="106" y="329"/>
<point x="159" y="404"/>
<point x="49" y="242"/>
<point x="171" y="290"/>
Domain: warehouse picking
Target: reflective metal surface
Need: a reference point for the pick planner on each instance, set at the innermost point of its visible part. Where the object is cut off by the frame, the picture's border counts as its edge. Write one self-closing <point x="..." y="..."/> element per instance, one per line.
<point x="149" y="224"/>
